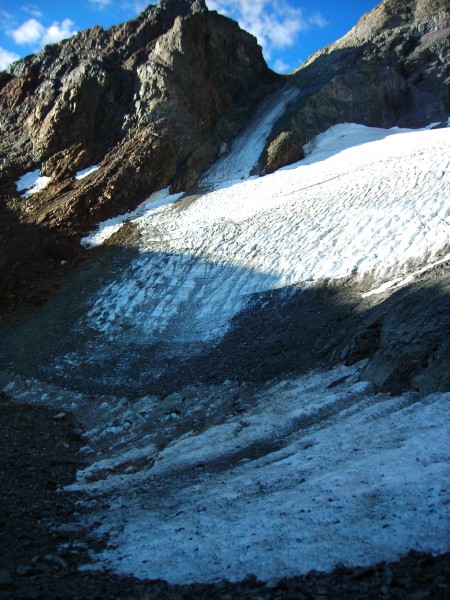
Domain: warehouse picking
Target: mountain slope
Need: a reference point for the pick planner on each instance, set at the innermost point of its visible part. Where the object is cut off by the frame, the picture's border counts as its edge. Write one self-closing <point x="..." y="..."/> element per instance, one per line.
<point x="391" y="69"/>
<point x="205" y="358"/>
<point x="256" y="366"/>
<point x="154" y="100"/>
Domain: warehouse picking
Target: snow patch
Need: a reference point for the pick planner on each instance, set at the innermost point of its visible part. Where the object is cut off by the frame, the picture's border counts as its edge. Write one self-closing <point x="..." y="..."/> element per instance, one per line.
<point x="401" y="282"/>
<point x="85" y="172"/>
<point x="107" y="228"/>
<point x="32" y="183"/>
<point x="312" y="475"/>
<point x="249" y="144"/>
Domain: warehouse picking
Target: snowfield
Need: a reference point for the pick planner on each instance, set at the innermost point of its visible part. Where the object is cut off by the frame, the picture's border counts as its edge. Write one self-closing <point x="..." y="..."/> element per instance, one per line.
<point x="220" y="481"/>
<point x="32" y="183"/>
<point x="359" y="478"/>
<point x="365" y="201"/>
<point x="301" y="474"/>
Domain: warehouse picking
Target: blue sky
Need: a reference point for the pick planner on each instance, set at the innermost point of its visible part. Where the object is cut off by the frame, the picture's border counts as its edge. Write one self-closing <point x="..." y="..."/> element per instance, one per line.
<point x="288" y="30"/>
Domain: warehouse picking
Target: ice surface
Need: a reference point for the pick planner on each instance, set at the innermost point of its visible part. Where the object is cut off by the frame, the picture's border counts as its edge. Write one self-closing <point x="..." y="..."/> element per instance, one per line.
<point x="310" y="472"/>
<point x="365" y="201"/>
<point x="307" y="478"/>
<point x="32" y="183"/>
<point x="249" y="144"/>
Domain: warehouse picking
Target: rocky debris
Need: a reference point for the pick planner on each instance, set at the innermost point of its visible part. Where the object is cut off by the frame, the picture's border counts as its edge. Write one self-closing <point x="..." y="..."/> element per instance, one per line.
<point x="390" y="70"/>
<point x="40" y="555"/>
<point x="402" y="335"/>
<point x="151" y="101"/>
<point x="405" y="339"/>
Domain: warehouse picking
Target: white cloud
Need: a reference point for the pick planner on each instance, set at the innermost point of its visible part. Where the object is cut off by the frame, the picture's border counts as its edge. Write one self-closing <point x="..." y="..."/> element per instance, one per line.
<point x="280" y="66"/>
<point x="33" y="33"/>
<point x="29" y="32"/>
<point x="59" y="31"/>
<point x="275" y="23"/>
<point x="318" y="19"/>
<point x="6" y="58"/>
<point x="100" y="3"/>
<point x="33" y="10"/>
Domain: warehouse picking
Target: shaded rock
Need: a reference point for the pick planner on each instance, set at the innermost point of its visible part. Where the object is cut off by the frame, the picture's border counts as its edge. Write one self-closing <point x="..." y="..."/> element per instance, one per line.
<point x="5" y="578"/>
<point x="284" y="150"/>
<point x="405" y="337"/>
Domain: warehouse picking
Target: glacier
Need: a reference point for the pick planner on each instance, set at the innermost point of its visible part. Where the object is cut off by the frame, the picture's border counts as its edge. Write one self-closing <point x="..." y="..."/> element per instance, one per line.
<point x="301" y="472"/>
<point x="365" y="201"/>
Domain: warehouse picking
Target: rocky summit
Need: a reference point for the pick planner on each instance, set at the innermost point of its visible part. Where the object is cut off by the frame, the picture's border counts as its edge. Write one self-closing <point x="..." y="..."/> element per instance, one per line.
<point x="225" y="305"/>
<point x="391" y="69"/>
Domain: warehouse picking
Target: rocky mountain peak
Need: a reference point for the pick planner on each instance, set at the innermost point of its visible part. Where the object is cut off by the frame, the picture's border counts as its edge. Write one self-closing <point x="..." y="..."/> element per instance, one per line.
<point x="394" y="18"/>
<point x="183" y="7"/>
<point x="390" y="69"/>
<point x="152" y="101"/>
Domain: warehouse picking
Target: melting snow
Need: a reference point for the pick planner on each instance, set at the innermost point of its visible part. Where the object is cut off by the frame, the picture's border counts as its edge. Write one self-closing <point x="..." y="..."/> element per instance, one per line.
<point x="365" y="201"/>
<point x="307" y="478"/>
<point x="32" y="183"/>
<point x="249" y="144"/>
<point x="85" y="172"/>
<point x="402" y="281"/>
<point x="316" y="470"/>
<point x="311" y="471"/>
<point x="107" y="228"/>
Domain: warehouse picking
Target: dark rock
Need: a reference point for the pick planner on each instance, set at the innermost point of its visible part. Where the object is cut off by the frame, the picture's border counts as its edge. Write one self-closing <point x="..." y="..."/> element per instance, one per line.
<point x="25" y="570"/>
<point x="362" y="573"/>
<point x="77" y="434"/>
<point x="283" y="150"/>
<point x="5" y="578"/>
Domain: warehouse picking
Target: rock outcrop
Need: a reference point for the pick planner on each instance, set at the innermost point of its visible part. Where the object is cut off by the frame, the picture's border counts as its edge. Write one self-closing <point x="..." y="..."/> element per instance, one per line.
<point x="152" y="100"/>
<point x="391" y="69"/>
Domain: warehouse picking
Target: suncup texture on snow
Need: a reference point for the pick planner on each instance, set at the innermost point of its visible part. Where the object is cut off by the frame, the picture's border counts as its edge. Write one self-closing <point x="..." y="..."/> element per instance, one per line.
<point x="156" y="99"/>
<point x="231" y="289"/>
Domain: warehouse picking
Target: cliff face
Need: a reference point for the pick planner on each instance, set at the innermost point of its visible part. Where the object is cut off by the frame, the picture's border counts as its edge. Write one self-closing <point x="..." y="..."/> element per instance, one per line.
<point x="157" y="86"/>
<point x="391" y="69"/>
<point x="152" y="100"/>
